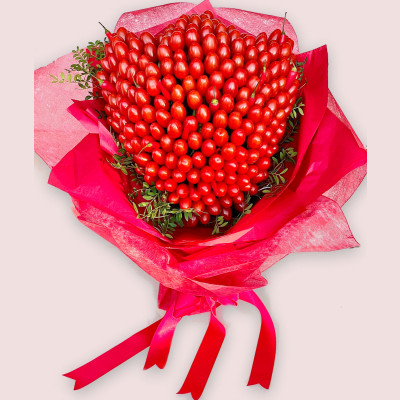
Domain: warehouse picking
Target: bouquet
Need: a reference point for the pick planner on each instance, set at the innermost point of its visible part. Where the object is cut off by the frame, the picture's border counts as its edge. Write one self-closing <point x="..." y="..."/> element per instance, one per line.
<point x="206" y="151"/>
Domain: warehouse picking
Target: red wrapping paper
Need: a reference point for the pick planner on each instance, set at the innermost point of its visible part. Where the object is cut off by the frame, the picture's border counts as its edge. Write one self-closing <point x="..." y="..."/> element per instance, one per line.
<point x="305" y="216"/>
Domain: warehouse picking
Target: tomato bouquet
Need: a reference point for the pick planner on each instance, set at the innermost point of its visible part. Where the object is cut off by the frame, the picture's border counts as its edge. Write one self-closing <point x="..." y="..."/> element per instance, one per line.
<point x="206" y="152"/>
<point x="197" y="112"/>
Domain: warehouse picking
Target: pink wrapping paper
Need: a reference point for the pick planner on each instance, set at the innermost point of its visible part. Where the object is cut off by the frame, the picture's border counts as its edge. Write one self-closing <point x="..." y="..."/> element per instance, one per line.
<point x="305" y="216"/>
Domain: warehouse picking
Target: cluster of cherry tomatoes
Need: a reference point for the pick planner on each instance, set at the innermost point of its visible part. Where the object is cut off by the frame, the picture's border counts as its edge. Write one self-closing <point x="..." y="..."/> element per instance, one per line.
<point x="201" y="108"/>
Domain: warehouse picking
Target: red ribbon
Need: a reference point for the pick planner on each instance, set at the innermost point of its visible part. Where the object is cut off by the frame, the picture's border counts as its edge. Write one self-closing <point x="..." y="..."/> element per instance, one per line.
<point x="158" y="338"/>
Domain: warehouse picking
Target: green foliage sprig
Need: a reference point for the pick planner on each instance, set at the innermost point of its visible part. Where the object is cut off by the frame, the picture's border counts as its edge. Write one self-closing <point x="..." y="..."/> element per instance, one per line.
<point x="300" y="68"/>
<point x="247" y="209"/>
<point x="155" y="209"/>
<point x="82" y="72"/>
<point x="219" y="224"/>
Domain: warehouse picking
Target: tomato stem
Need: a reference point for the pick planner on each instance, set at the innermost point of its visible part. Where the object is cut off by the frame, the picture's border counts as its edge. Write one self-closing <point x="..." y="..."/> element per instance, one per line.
<point x="133" y="78"/>
<point x="283" y="25"/>
<point x="105" y="29"/>
<point x="255" y="89"/>
<point x="108" y="33"/>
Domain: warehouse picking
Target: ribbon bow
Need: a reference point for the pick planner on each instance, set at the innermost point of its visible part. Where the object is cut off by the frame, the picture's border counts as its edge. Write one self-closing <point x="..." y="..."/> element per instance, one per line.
<point x="158" y="337"/>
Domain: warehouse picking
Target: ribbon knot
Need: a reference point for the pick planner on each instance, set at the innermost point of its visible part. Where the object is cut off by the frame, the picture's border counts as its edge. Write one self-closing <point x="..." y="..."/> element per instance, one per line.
<point x="158" y="337"/>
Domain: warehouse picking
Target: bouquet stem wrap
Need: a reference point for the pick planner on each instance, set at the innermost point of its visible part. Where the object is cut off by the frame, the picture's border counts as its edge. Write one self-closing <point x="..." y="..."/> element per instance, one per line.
<point x="158" y="337"/>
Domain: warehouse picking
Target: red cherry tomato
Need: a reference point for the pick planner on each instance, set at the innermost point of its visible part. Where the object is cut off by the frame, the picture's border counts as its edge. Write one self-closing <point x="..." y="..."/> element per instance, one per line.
<point x="185" y="163"/>
<point x="178" y="176"/>
<point x="238" y="46"/>
<point x="163" y="51"/>
<point x="171" y="160"/>
<point x="152" y="169"/>
<point x="207" y="174"/>
<point x="220" y="137"/>
<point x="202" y="84"/>
<point x="204" y="188"/>
<point x="194" y="99"/>
<point x="174" y="128"/>
<point x="226" y="201"/>
<point x="163" y="117"/>
<point x="160" y="102"/>
<point x="227" y="103"/>
<point x="196" y="68"/>
<point x="181" y="69"/>
<point x="253" y="156"/>
<point x="204" y="218"/>
<point x="170" y="185"/>
<point x="217" y="79"/>
<point x="195" y="140"/>
<point x="177" y="41"/>
<point x="234" y="120"/>
<point x="142" y="97"/>
<point x="220" y="119"/>
<point x="182" y="190"/>
<point x="228" y="151"/>
<point x="180" y="147"/>
<point x="192" y="39"/>
<point x="199" y="160"/>
<point x="177" y="93"/>
<point x="209" y="44"/>
<point x="178" y="111"/>
<point x="203" y="114"/>
<point x="208" y="147"/>
<point x="238" y="137"/>
<point x="148" y="113"/>
<point x="193" y="176"/>
<point x="188" y="83"/>
<point x="216" y="162"/>
<point x="211" y="62"/>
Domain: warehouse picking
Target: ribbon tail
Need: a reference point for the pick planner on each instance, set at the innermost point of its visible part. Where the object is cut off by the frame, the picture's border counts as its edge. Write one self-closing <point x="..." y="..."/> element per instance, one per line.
<point x="161" y="341"/>
<point x="204" y="360"/>
<point x="264" y="358"/>
<point x="114" y="357"/>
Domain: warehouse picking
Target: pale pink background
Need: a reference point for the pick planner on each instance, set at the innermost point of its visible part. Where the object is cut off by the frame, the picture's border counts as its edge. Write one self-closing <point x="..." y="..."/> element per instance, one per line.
<point x="336" y="314"/>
